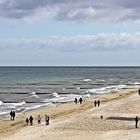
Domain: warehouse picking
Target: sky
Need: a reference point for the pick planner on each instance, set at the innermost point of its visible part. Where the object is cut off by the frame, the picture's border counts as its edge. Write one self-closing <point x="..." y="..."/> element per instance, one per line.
<point x="69" y="32"/>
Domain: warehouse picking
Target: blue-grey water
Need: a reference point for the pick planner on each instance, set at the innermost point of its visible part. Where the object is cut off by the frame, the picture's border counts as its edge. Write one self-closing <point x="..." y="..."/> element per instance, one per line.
<point x="23" y="88"/>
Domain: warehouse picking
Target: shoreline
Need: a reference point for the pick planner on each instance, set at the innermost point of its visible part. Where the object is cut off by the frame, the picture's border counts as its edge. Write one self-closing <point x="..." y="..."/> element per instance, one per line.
<point x="58" y="112"/>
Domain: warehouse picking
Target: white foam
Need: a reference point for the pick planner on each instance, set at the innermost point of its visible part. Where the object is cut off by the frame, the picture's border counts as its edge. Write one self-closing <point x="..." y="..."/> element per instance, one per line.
<point x="1" y="102"/>
<point x="33" y="93"/>
<point x="87" y="80"/>
<point x="87" y="95"/>
<point x="15" y="104"/>
<point x="100" y="80"/>
<point x="135" y="83"/>
<point x="106" y="89"/>
<point x="36" y="96"/>
<point x="55" y="94"/>
<point x="4" y="113"/>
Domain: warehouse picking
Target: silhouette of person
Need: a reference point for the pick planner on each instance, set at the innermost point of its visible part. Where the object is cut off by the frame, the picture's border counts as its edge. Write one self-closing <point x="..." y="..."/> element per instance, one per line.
<point x="139" y="91"/>
<point x="39" y="119"/>
<point x="136" y="121"/>
<point x="27" y="121"/>
<point x="95" y="102"/>
<point x="11" y="114"/>
<point x="47" y="119"/>
<point x="75" y="100"/>
<point x="80" y="100"/>
<point x="101" y="117"/>
<point x="98" y="102"/>
<point x="31" y="120"/>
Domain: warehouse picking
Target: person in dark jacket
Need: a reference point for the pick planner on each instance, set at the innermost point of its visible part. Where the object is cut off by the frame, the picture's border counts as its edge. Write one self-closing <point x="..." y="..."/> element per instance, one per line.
<point x="47" y="118"/>
<point x="14" y="114"/>
<point x="75" y="100"/>
<point x="31" y="120"/>
<point x="80" y="100"/>
<point x="98" y="102"/>
<point x="136" y="122"/>
<point x="95" y="103"/>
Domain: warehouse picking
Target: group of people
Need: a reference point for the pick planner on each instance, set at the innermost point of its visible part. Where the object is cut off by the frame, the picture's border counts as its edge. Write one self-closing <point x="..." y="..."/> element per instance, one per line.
<point x="30" y="120"/>
<point x="12" y="115"/>
<point x="97" y="103"/>
<point x="80" y="100"/>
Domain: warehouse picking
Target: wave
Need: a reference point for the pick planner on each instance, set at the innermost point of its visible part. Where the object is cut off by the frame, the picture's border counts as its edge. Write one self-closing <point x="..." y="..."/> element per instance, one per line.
<point x="4" y="113"/>
<point x="100" y="80"/>
<point x="87" y="80"/>
<point x="36" y="96"/>
<point x="87" y="95"/>
<point x="106" y="89"/>
<point x="16" y="104"/>
<point x="1" y="102"/>
<point x="33" y="94"/>
<point x="133" y="83"/>
<point x="55" y="94"/>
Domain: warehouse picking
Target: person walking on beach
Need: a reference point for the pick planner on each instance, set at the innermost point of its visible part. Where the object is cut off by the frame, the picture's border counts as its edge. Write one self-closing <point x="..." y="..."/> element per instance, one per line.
<point x="27" y="121"/>
<point x="136" y="122"/>
<point x="98" y="102"/>
<point x="95" y="103"/>
<point x="13" y="114"/>
<point x="39" y="119"/>
<point x="80" y="100"/>
<point x="139" y="91"/>
<point x="75" y="100"/>
<point x="47" y="119"/>
<point x="31" y="120"/>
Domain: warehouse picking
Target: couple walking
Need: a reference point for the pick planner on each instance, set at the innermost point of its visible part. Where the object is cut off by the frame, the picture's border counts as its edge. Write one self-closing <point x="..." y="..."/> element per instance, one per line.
<point x="97" y="103"/>
<point x="12" y="114"/>
<point x="29" y="120"/>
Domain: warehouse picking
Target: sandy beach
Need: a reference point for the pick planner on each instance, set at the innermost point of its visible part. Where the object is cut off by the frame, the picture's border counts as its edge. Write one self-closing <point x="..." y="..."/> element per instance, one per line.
<point x="80" y="121"/>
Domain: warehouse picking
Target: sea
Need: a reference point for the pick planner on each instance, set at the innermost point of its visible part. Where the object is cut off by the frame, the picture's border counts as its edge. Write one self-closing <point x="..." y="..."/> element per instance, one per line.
<point x="26" y="88"/>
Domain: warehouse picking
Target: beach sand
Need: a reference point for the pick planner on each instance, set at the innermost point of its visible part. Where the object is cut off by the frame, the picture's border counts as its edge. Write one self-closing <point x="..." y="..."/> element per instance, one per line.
<point x="71" y="121"/>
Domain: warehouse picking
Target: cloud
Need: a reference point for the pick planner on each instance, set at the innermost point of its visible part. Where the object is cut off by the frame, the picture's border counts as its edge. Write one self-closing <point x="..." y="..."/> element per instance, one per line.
<point x="113" y="11"/>
<point x="102" y="42"/>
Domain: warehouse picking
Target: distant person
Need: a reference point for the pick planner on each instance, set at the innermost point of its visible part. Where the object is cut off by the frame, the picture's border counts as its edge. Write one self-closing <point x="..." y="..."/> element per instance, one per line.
<point x="47" y="119"/>
<point x="80" y="100"/>
<point x="13" y="114"/>
<point x="31" y="120"/>
<point x="27" y="121"/>
<point x="75" y="100"/>
<point x="95" y="103"/>
<point x="136" y="121"/>
<point x="98" y="102"/>
<point x="101" y="117"/>
<point x="39" y="119"/>
<point x="139" y="91"/>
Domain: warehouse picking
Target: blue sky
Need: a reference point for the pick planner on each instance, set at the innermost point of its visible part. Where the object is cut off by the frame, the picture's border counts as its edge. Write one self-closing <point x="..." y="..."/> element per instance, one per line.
<point x="69" y="33"/>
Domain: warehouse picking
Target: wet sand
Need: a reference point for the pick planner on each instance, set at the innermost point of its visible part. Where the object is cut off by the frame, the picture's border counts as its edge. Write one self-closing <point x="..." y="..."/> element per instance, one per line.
<point x="74" y="121"/>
